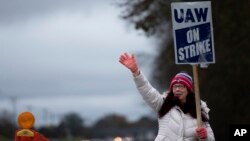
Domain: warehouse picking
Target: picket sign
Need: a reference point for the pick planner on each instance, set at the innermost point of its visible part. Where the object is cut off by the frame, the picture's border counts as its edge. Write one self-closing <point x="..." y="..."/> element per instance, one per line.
<point x="193" y="39"/>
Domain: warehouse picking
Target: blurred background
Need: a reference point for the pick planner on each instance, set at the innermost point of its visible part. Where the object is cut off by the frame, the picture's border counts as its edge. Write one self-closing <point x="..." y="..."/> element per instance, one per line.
<point x="59" y="60"/>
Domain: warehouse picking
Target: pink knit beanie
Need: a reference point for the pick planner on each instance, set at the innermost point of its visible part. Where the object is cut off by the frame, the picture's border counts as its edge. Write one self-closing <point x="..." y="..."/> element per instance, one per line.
<point x="182" y="78"/>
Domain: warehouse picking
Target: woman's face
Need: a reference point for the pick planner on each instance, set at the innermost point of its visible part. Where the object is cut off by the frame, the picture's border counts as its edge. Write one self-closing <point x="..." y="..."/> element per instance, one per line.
<point x="180" y="91"/>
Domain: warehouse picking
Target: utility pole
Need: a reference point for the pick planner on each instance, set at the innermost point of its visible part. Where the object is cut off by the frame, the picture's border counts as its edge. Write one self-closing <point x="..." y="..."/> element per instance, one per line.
<point x="13" y="100"/>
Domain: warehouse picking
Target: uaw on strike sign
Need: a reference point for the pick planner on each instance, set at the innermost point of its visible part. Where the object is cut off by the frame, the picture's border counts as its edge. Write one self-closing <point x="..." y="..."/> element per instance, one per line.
<point x="193" y="32"/>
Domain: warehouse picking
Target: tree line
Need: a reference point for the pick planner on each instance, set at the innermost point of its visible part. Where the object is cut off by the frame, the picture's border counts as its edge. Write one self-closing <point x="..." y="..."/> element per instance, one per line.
<point x="72" y="125"/>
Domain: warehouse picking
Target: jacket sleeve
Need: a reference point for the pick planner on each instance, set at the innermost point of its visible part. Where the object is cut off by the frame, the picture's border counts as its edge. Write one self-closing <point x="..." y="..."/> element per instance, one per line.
<point x="210" y="134"/>
<point x="150" y="95"/>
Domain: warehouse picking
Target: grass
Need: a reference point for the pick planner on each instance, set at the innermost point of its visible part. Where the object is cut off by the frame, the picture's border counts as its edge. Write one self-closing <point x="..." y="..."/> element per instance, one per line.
<point x="5" y="139"/>
<point x="74" y="139"/>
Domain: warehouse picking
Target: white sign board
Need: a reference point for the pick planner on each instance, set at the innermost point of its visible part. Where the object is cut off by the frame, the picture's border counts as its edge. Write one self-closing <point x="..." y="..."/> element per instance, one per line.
<point x="193" y="32"/>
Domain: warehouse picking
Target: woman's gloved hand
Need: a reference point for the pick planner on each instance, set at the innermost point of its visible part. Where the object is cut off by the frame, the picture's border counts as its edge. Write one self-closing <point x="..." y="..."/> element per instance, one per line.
<point x="201" y="133"/>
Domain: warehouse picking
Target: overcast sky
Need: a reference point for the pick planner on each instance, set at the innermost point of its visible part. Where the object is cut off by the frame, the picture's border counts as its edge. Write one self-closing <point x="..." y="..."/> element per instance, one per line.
<point x="61" y="56"/>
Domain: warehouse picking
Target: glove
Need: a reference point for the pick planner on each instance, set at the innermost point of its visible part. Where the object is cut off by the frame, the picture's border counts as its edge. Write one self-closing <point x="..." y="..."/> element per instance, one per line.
<point x="129" y="61"/>
<point x="201" y="133"/>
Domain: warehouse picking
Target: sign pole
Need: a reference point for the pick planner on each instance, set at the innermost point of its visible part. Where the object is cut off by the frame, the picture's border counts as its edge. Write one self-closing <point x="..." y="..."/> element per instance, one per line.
<point x="197" y="94"/>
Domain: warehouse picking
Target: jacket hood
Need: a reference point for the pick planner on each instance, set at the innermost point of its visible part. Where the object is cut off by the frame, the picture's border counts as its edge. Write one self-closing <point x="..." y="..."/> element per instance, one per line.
<point x="205" y="109"/>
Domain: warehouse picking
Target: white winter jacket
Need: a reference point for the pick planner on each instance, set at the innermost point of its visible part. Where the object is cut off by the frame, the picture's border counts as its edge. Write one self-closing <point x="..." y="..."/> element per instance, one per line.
<point x="175" y="125"/>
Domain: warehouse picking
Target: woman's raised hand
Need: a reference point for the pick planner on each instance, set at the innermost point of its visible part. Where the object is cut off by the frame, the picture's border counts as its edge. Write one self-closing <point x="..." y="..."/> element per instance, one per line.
<point x="129" y="61"/>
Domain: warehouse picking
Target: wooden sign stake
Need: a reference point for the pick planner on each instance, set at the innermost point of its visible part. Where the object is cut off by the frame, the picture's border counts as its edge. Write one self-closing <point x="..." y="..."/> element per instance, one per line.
<point x="197" y="94"/>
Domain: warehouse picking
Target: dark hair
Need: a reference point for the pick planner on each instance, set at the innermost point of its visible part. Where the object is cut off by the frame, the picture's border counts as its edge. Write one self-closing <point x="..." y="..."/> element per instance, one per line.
<point x="189" y="107"/>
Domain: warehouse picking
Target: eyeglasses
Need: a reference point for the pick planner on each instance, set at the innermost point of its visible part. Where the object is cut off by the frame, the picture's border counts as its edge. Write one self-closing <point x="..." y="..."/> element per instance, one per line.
<point x="180" y="86"/>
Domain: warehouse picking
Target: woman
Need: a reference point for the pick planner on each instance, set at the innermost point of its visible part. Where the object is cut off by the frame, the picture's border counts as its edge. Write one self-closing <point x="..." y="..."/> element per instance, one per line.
<point x="176" y="109"/>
